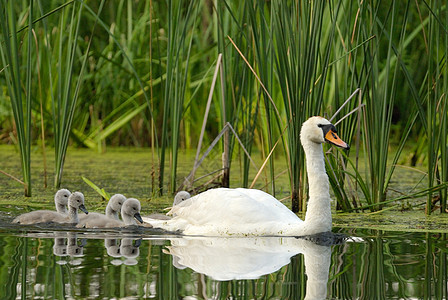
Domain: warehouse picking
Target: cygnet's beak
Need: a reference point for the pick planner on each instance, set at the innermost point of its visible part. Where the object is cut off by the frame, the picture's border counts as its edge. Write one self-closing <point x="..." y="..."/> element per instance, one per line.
<point x="138" y="217"/>
<point x="334" y="139"/>
<point x="83" y="208"/>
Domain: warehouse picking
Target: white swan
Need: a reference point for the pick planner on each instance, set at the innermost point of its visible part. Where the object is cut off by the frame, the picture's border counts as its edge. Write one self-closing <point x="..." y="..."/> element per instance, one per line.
<point x="180" y="197"/>
<point x="112" y="209"/>
<point x="249" y="212"/>
<point x="130" y="211"/>
<point x="75" y="202"/>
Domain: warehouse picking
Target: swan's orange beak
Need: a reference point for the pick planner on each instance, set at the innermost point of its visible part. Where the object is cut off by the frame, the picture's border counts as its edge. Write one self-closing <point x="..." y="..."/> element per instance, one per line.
<point x="333" y="138"/>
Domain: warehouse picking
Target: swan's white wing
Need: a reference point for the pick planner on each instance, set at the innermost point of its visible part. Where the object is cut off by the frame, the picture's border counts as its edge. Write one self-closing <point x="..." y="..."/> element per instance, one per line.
<point x="230" y="212"/>
<point x="267" y="199"/>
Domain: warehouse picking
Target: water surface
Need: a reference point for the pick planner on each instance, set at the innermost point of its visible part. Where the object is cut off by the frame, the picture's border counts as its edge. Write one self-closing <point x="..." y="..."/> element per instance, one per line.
<point x="55" y="263"/>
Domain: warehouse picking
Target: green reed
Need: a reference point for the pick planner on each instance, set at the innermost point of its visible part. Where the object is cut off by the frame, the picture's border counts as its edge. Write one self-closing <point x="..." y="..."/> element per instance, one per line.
<point x="180" y="21"/>
<point x="380" y="97"/>
<point x="302" y="60"/>
<point x="143" y="77"/>
<point x="238" y="96"/>
<point x="380" y="40"/>
<point x="17" y="69"/>
<point x="65" y="98"/>
<point x="436" y="102"/>
<point x="261" y="26"/>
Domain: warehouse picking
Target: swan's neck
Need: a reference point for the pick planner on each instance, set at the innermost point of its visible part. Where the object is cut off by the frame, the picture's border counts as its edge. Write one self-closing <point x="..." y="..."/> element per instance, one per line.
<point x="128" y="219"/>
<point x="73" y="215"/>
<point x="318" y="212"/>
<point x="61" y="208"/>
<point x="111" y="213"/>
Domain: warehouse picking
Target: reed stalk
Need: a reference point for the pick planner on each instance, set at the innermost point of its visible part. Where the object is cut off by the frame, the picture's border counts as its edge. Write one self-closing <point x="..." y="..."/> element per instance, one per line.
<point x="64" y="101"/>
<point x="302" y="60"/>
<point x="180" y="21"/>
<point x="379" y="77"/>
<point x="282" y="61"/>
<point x="262" y="34"/>
<point x="18" y="70"/>
<point x="436" y="103"/>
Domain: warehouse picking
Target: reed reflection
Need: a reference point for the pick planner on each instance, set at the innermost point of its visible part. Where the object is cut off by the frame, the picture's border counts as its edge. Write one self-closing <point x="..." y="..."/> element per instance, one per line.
<point x="226" y="259"/>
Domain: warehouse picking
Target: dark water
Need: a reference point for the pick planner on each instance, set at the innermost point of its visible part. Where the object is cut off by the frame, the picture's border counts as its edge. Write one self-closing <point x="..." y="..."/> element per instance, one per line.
<point x="52" y="263"/>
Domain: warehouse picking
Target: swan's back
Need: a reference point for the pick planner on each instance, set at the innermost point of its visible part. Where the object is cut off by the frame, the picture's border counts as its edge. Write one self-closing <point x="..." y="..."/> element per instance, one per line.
<point x="38" y="216"/>
<point x="98" y="220"/>
<point x="231" y="212"/>
<point x="44" y="216"/>
<point x="75" y="202"/>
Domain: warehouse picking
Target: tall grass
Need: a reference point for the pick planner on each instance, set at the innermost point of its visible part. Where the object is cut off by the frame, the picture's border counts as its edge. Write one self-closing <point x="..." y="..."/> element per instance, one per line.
<point x="436" y="102"/>
<point x="379" y="97"/>
<point x="302" y="60"/>
<point x="67" y="85"/>
<point x="179" y="41"/>
<point x="143" y="72"/>
<point x="261" y="25"/>
<point x="384" y="38"/>
<point x="16" y="50"/>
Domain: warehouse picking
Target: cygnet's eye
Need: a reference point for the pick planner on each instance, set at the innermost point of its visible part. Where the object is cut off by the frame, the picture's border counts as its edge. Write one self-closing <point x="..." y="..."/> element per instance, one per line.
<point x="66" y="196"/>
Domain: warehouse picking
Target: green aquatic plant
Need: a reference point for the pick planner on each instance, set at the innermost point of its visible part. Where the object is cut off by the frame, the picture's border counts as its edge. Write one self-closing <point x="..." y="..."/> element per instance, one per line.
<point x="17" y="69"/>
<point x="101" y="191"/>
<point x="436" y="103"/>
<point x="143" y="73"/>
<point x="302" y="55"/>
<point x="179" y="39"/>
<point x="67" y="86"/>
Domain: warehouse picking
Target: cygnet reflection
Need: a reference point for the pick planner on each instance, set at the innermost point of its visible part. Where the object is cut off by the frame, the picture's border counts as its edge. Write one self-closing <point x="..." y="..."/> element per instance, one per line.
<point x="249" y="258"/>
<point x="127" y="248"/>
<point x="68" y="245"/>
<point x="112" y="247"/>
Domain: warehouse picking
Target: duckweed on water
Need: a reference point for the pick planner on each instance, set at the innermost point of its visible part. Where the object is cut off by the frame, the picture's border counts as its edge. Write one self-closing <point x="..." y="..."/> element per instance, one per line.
<point x="117" y="171"/>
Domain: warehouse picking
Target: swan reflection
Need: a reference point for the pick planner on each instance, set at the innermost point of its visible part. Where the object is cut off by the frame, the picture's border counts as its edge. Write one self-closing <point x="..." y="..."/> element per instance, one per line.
<point x="126" y="247"/>
<point x="249" y="258"/>
<point x="68" y="245"/>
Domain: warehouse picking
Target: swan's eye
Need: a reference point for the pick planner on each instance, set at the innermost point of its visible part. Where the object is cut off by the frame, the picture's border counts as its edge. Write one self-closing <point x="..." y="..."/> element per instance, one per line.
<point x="327" y="127"/>
<point x="119" y="203"/>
